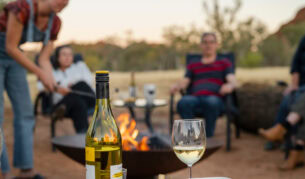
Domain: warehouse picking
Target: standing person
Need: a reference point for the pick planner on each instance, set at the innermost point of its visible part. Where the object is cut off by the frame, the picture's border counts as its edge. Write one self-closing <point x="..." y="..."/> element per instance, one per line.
<point x="25" y="21"/>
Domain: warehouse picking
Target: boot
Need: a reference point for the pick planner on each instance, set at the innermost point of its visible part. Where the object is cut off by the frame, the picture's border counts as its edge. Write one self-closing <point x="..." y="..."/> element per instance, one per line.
<point x="275" y="133"/>
<point x="295" y="159"/>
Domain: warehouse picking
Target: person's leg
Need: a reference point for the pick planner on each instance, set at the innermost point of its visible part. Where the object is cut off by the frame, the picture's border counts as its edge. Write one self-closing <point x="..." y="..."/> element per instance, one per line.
<point x="76" y="108"/>
<point x="285" y="122"/>
<point x="84" y="87"/>
<point x="187" y="105"/>
<point x="212" y="107"/>
<point x="4" y="157"/>
<point x="19" y="94"/>
<point x="296" y="155"/>
<point x="283" y="110"/>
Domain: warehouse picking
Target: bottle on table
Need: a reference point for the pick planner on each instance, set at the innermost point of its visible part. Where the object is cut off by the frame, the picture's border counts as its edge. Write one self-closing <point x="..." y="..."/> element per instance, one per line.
<point x="103" y="138"/>
<point x="132" y="88"/>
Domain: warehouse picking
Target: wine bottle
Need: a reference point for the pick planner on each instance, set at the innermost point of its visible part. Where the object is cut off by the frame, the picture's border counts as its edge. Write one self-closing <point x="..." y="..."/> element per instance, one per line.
<point x="103" y="138"/>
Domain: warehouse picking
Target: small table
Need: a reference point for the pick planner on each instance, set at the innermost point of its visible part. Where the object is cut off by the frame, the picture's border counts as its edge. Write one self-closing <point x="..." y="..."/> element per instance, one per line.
<point x="141" y="103"/>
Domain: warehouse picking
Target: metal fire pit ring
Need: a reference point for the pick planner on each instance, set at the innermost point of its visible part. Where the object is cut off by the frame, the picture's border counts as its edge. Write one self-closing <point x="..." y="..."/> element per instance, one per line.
<point x="139" y="164"/>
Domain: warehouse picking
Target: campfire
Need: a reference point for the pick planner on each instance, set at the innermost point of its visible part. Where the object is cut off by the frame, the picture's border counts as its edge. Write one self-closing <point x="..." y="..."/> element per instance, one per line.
<point x="130" y="133"/>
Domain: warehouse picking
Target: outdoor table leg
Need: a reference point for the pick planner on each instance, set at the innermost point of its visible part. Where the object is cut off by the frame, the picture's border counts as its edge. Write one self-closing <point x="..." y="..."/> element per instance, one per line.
<point x="132" y="112"/>
<point x="148" y="111"/>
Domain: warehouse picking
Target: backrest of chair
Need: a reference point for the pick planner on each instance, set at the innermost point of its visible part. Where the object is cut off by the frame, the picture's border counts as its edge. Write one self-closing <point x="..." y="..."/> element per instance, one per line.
<point x="77" y="58"/>
<point x="46" y="99"/>
<point x="193" y="58"/>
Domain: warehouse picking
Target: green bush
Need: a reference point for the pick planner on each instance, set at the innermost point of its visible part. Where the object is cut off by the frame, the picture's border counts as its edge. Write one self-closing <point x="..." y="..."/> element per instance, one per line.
<point x="252" y="60"/>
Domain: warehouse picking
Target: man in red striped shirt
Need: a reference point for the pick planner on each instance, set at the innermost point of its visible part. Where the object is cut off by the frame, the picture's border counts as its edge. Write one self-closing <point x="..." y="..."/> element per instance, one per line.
<point x="210" y="79"/>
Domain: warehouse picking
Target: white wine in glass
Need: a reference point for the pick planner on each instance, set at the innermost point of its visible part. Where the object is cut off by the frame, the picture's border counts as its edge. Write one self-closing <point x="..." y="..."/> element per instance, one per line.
<point x="189" y="140"/>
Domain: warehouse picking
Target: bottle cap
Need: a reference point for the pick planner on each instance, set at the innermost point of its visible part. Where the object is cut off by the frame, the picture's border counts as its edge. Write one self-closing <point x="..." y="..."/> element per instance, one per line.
<point x="102" y="76"/>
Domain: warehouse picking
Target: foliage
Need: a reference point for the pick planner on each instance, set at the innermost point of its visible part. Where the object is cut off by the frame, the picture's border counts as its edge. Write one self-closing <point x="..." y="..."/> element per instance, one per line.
<point x="251" y="60"/>
<point x="240" y="37"/>
<point x="278" y="49"/>
<point x="247" y="38"/>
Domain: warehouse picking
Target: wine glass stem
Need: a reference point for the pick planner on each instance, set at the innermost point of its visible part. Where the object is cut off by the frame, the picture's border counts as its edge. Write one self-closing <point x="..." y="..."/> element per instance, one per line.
<point x="190" y="167"/>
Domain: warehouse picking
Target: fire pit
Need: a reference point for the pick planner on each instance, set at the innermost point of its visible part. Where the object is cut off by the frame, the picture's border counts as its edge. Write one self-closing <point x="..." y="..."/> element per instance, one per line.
<point x="140" y="164"/>
<point x="144" y="156"/>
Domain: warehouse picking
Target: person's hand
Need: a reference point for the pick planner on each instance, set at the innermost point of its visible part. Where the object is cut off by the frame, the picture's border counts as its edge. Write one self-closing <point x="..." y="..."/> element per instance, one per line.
<point x="47" y="80"/>
<point x="62" y="91"/>
<point x="226" y="89"/>
<point x="289" y="89"/>
<point x="175" y="88"/>
<point x="293" y="118"/>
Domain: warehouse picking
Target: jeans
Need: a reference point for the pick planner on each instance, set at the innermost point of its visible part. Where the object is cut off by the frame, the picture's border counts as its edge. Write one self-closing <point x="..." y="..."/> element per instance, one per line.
<point x="208" y="107"/>
<point x="13" y="80"/>
<point x="285" y="106"/>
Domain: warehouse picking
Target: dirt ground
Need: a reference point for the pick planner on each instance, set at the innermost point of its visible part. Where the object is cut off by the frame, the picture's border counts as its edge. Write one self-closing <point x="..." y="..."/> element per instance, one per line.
<point x="246" y="160"/>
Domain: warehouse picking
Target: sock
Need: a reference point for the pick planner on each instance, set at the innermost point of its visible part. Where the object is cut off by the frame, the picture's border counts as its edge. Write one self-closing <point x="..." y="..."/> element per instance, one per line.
<point x="299" y="147"/>
<point x="286" y="124"/>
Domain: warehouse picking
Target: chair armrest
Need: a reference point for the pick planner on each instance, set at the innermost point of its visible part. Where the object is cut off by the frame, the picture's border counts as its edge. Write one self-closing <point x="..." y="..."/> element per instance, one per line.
<point x="231" y="103"/>
<point x="182" y="92"/>
<point x="281" y="83"/>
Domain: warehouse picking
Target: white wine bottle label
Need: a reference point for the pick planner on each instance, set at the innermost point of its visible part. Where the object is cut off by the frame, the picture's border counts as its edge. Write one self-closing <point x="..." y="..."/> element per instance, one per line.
<point x="90" y="171"/>
<point x="116" y="172"/>
<point x="90" y="154"/>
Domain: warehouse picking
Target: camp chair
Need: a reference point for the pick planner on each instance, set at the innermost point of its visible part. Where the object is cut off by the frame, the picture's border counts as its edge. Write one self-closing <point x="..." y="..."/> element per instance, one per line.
<point x="44" y="105"/>
<point x="231" y="110"/>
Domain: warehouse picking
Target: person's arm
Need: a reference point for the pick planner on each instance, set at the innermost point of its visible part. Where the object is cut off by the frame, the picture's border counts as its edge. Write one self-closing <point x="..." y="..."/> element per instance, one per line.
<point x="295" y="67"/>
<point x="230" y="85"/>
<point x="13" y="37"/>
<point x="294" y="85"/>
<point x="44" y="58"/>
<point x="181" y="85"/>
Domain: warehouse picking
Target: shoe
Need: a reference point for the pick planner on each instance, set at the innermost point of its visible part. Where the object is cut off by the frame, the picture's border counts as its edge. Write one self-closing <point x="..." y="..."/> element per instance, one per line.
<point x="59" y="112"/>
<point x="270" y="146"/>
<point x="275" y="133"/>
<point x="36" y="176"/>
<point x="295" y="159"/>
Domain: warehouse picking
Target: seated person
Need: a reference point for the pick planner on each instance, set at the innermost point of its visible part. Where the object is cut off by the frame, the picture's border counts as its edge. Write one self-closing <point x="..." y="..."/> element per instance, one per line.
<point x="74" y="94"/>
<point x="294" y="118"/>
<point x="297" y="86"/>
<point x="210" y="80"/>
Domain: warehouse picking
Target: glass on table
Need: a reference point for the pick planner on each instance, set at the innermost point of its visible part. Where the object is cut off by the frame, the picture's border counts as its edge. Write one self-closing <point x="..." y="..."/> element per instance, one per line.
<point x="189" y="140"/>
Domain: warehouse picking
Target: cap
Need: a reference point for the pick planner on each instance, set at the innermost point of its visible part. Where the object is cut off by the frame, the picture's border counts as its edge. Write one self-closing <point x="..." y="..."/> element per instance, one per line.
<point x="102" y="76"/>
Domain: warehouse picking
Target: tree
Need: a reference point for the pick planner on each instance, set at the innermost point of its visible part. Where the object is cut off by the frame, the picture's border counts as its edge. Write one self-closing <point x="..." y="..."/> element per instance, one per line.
<point x="179" y="41"/>
<point x="240" y="37"/>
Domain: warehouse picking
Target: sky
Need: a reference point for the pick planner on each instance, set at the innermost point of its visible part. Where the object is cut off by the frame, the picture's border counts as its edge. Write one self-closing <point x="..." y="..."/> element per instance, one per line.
<point x="88" y="21"/>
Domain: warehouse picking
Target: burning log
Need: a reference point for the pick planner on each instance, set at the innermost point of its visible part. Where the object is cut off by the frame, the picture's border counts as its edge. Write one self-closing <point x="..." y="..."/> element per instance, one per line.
<point x="258" y="105"/>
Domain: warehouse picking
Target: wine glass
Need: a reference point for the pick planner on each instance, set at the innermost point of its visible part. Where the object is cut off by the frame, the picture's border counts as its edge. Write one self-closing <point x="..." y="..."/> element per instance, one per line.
<point x="189" y="140"/>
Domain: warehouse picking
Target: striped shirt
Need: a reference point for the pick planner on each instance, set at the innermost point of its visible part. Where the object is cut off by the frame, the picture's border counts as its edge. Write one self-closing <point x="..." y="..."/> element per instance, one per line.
<point x="207" y="79"/>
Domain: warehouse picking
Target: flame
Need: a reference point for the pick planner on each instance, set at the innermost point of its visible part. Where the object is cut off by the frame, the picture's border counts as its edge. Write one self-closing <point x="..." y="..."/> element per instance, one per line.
<point x="112" y="138"/>
<point x="129" y="134"/>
